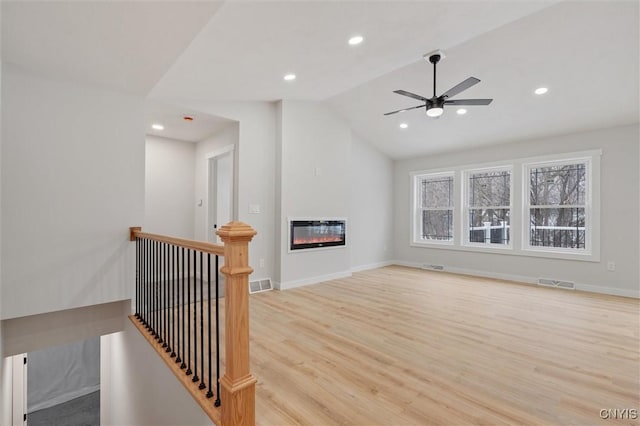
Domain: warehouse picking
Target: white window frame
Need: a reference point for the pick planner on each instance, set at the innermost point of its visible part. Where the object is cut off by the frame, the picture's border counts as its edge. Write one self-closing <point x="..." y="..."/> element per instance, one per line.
<point x="519" y="216"/>
<point x="416" y="209"/>
<point x="591" y="252"/>
<point x="465" y="241"/>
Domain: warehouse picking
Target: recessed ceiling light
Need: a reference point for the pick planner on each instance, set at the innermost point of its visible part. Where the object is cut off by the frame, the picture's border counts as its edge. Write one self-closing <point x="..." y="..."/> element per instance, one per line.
<point x="541" y="91"/>
<point x="355" y="40"/>
<point x="290" y="77"/>
<point x="461" y="111"/>
<point x="157" y="127"/>
<point x="403" y="125"/>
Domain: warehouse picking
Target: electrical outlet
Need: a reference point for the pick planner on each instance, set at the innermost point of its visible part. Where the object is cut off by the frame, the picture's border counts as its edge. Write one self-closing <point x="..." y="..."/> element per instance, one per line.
<point x="262" y="263"/>
<point x="611" y="266"/>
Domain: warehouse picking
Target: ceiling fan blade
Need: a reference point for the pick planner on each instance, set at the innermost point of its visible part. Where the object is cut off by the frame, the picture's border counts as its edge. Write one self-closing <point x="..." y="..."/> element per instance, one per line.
<point x="404" y="109"/>
<point x="411" y="95"/>
<point x="468" y="102"/>
<point x="471" y="81"/>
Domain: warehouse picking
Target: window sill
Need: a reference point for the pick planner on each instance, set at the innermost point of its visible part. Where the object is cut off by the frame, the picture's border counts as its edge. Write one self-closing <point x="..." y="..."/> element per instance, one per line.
<point x="510" y="251"/>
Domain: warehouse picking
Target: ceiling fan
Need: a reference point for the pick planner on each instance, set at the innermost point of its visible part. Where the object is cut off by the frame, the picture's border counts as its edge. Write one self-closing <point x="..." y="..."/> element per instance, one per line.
<point x="435" y="105"/>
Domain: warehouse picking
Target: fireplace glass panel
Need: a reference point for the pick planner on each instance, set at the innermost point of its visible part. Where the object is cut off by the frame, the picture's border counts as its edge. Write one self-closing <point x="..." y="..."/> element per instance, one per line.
<point x="307" y="234"/>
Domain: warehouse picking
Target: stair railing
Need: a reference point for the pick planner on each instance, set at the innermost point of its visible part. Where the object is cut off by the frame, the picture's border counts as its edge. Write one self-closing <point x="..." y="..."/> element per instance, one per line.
<point x="177" y="304"/>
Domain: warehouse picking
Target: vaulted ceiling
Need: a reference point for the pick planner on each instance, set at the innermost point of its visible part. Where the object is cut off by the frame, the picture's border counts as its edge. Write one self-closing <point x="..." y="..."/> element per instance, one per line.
<point x="585" y="52"/>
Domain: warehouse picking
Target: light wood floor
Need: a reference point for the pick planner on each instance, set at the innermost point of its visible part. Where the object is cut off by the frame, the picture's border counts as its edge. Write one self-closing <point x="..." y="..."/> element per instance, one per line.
<point x="399" y="346"/>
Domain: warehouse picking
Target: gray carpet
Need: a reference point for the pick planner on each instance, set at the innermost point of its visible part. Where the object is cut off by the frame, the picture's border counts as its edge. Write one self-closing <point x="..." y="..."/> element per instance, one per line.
<point x="83" y="411"/>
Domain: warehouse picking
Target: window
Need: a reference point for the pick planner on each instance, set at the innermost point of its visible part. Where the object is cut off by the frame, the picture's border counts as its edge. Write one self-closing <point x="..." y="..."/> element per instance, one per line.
<point x="547" y="206"/>
<point x="488" y="207"/>
<point x="558" y="206"/>
<point x="434" y="208"/>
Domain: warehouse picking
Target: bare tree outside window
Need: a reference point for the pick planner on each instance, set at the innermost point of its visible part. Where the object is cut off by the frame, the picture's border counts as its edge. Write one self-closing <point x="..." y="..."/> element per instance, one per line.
<point x="436" y="203"/>
<point x="557" y="206"/>
<point x="489" y="205"/>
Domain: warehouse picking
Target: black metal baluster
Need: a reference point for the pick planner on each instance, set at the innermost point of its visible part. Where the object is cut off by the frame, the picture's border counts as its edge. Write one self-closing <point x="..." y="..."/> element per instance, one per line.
<point x="137" y="278"/>
<point x="154" y="322"/>
<point x="217" y="402"/>
<point x="163" y="276"/>
<point x="188" y="354"/>
<point x="195" y="322"/>
<point x="173" y="300"/>
<point x="157" y="292"/>
<point x="145" y="319"/>
<point x="181" y="316"/>
<point x="140" y="248"/>
<point x="209" y="392"/>
<point x="148" y="285"/>
<point x="167" y="293"/>
<point x="202" y="385"/>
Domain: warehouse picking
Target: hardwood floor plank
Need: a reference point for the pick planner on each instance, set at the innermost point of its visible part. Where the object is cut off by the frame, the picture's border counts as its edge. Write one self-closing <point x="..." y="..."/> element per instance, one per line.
<point x="398" y="345"/>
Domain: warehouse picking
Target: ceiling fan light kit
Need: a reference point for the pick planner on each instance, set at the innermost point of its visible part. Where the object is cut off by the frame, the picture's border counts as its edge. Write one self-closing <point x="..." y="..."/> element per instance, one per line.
<point x="434" y="106"/>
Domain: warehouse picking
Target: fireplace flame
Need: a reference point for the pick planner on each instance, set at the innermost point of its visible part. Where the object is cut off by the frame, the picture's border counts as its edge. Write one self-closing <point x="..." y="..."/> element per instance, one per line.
<point x="316" y="240"/>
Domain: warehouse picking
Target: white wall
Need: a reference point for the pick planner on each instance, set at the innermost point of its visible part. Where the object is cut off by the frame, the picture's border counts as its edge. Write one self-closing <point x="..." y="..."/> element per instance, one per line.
<point x="371" y="206"/>
<point x="620" y="213"/>
<point x="137" y="388"/>
<point x="226" y="137"/>
<point x="72" y="184"/>
<point x="169" y="187"/>
<point x="315" y="182"/>
<point x="5" y="364"/>
<point x="61" y="373"/>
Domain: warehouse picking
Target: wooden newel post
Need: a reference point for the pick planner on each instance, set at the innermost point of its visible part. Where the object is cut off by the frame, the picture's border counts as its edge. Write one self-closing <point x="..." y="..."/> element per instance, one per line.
<point x="238" y="385"/>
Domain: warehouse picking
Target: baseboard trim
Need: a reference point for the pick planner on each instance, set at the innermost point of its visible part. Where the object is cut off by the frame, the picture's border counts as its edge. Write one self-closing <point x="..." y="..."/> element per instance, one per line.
<point x="369" y="266"/>
<point x="608" y="290"/>
<point x="523" y="279"/>
<point x="312" y="280"/>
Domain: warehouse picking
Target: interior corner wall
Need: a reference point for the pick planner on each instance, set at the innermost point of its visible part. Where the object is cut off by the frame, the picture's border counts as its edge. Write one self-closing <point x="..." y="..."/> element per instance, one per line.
<point x="72" y="185"/>
<point x="277" y="276"/>
<point x="620" y="212"/>
<point x="137" y="388"/>
<point x="203" y="149"/>
<point x="315" y="183"/>
<point x="5" y="362"/>
<point x="169" y="187"/>
<point x="371" y="206"/>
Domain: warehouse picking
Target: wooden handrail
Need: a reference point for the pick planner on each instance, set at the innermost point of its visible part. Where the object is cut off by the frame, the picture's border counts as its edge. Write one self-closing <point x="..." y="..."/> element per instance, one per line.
<point x="218" y="249"/>
<point x="237" y="383"/>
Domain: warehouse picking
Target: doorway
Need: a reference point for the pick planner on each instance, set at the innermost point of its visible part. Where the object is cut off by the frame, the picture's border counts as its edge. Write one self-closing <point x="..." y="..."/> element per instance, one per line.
<point x="220" y="191"/>
<point x="63" y="384"/>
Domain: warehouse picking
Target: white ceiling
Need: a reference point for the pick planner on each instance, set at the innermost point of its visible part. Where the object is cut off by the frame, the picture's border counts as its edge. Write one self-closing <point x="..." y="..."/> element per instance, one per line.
<point x="585" y="52"/>
<point x="245" y="50"/>
<point x="176" y="127"/>
<point x="121" y="45"/>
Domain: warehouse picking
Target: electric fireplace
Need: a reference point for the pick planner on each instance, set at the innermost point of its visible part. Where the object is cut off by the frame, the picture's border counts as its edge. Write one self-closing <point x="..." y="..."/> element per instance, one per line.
<point x="316" y="233"/>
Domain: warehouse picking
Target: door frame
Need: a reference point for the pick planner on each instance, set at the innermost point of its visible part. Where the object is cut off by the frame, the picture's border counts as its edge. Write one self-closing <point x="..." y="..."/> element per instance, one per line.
<point x="231" y="150"/>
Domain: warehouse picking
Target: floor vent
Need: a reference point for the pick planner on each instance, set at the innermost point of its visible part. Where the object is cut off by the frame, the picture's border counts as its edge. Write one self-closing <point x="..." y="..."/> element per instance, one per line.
<point x="260" y="285"/>
<point x="569" y="285"/>
<point x="433" y="267"/>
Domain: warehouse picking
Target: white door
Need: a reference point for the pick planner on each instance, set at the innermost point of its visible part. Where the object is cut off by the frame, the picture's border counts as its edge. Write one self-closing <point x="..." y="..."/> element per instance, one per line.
<point x="220" y="193"/>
